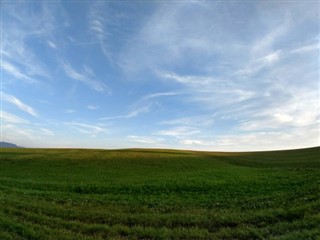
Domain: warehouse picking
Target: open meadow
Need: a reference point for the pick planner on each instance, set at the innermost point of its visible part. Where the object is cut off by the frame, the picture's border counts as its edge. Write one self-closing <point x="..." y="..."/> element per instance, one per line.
<point x="159" y="194"/>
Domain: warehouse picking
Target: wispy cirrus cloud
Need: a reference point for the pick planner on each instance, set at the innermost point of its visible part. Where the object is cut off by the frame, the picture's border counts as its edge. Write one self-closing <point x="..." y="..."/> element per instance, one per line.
<point x="269" y="105"/>
<point x="235" y="79"/>
<point x="15" y="133"/>
<point x="52" y="45"/>
<point x="201" y="75"/>
<point x="300" y="110"/>
<point x="306" y="48"/>
<point x="97" y="22"/>
<point x="195" y="80"/>
<point x="133" y="113"/>
<point x="169" y="36"/>
<point x="11" y="118"/>
<point x="256" y="141"/>
<point x="25" y="133"/>
<point x="209" y="91"/>
<point x="266" y="43"/>
<point x="22" y="106"/>
<point x="204" y="120"/>
<point x="178" y="131"/>
<point x="259" y="64"/>
<point x="175" y="38"/>
<point x="70" y="111"/>
<point x="155" y="141"/>
<point x="47" y="132"/>
<point x="87" y="128"/>
<point x="16" y="72"/>
<point x="25" y="24"/>
<point x="86" y="76"/>
<point x="93" y="107"/>
<point x="103" y="24"/>
<point x="145" y="105"/>
<point x="160" y="94"/>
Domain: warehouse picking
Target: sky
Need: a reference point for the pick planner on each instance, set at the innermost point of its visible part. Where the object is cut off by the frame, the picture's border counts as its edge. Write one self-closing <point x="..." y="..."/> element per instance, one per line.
<point x="201" y="75"/>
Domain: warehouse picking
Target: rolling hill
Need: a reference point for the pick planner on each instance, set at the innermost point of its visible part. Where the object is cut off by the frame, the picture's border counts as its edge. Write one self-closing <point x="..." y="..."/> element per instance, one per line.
<point x="159" y="194"/>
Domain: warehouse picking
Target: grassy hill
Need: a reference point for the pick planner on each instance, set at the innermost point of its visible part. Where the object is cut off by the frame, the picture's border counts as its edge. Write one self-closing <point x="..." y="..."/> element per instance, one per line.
<point x="159" y="194"/>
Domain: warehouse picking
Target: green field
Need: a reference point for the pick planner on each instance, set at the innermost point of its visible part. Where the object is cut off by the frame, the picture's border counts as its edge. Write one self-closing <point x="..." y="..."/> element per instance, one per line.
<point x="159" y="194"/>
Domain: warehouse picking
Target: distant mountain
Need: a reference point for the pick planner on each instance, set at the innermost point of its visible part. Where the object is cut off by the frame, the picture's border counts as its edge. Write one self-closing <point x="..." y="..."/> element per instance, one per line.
<point x="8" y="145"/>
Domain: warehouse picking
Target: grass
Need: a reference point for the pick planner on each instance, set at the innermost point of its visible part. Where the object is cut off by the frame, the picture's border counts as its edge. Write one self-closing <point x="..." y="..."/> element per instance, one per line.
<point x="159" y="194"/>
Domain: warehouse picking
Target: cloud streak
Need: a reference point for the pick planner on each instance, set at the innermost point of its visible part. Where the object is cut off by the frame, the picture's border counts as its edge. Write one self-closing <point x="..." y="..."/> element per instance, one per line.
<point x="16" y="72"/>
<point x="307" y="48"/>
<point x="93" y="107"/>
<point x="20" y="58"/>
<point x="22" y="106"/>
<point x="87" y="128"/>
<point x="146" y="140"/>
<point x="134" y="113"/>
<point x="179" y="131"/>
<point x="86" y="76"/>
<point x="12" y="119"/>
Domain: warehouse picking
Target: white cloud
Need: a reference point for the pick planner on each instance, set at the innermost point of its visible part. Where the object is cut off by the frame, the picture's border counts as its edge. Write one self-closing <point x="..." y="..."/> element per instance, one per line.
<point x="102" y="20"/>
<point x="143" y="105"/>
<point x="16" y="72"/>
<point x="307" y="48"/>
<point x="16" y="133"/>
<point x="93" y="107"/>
<point x="10" y="118"/>
<point x="47" y="132"/>
<point x="178" y="131"/>
<point x="52" y="45"/>
<point x="194" y="142"/>
<point x="266" y="43"/>
<point x="199" y="81"/>
<point x="22" y="106"/>
<point x="291" y="138"/>
<point x="210" y="93"/>
<point x="284" y="139"/>
<point x="138" y="111"/>
<point x="144" y="139"/>
<point x="286" y="106"/>
<point x="256" y="65"/>
<point x="70" y="111"/>
<point x="173" y="38"/>
<point x="24" y="24"/>
<point x="86" y="77"/>
<point x="206" y="120"/>
<point x="134" y="113"/>
<point x="87" y="128"/>
<point x="271" y="57"/>
<point x="160" y="94"/>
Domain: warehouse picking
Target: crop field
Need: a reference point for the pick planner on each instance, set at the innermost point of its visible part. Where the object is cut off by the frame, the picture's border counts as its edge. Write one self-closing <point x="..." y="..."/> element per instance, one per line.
<point x="159" y="194"/>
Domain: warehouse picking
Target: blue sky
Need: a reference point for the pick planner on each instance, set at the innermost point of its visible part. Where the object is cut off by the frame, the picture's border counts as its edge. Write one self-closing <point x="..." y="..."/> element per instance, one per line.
<point x="205" y="75"/>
